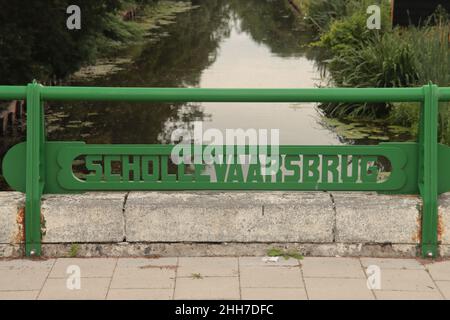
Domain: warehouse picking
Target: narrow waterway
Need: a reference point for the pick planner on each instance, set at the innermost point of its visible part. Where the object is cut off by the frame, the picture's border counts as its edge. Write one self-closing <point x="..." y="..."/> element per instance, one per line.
<point x="220" y="44"/>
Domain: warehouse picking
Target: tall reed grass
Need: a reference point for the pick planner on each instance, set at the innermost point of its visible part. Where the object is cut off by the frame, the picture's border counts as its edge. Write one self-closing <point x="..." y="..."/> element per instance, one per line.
<point x="391" y="57"/>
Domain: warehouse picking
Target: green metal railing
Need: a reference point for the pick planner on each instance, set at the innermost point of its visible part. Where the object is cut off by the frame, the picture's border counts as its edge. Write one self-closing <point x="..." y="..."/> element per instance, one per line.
<point x="39" y="167"/>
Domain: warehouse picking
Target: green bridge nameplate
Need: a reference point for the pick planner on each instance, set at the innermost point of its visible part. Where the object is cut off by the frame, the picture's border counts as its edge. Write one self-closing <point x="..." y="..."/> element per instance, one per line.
<point x="149" y="167"/>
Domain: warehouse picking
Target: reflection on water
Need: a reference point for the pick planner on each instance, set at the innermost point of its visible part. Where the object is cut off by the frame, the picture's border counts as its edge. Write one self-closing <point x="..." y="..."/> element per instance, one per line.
<point x="221" y="44"/>
<point x="244" y="63"/>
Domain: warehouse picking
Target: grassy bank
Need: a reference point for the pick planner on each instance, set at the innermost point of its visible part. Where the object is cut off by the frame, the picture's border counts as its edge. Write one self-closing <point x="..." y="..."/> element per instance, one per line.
<point x="355" y="56"/>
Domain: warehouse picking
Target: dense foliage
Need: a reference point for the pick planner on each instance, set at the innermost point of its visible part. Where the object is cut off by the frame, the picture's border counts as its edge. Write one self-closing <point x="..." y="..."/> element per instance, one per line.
<point x="35" y="42"/>
<point x="355" y="56"/>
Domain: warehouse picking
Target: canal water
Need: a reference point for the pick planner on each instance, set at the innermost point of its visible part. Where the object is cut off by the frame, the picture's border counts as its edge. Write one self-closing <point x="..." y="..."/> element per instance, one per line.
<point x="220" y="44"/>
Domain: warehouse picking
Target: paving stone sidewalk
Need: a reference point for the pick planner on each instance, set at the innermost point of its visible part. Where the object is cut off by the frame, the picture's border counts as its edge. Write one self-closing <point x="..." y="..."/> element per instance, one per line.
<point x="224" y="278"/>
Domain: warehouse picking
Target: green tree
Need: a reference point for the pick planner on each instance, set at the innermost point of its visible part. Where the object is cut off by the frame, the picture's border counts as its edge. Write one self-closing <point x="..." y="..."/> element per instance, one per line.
<point x="35" y="42"/>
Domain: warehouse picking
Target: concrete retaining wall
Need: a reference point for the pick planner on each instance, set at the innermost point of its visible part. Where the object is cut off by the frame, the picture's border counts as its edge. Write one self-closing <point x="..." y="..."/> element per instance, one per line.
<point x="222" y="223"/>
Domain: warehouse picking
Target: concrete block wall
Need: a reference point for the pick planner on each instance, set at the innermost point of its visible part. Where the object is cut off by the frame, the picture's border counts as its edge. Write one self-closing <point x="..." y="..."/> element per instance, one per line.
<point x="223" y="223"/>
<point x="229" y="217"/>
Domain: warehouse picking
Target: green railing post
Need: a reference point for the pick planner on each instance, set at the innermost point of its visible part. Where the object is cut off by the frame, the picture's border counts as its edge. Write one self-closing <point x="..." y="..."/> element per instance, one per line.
<point x="34" y="172"/>
<point x="428" y="170"/>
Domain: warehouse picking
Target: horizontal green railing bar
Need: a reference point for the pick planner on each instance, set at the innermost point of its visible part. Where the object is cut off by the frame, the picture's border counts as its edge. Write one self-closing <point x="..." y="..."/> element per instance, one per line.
<point x="233" y="95"/>
<point x="225" y="95"/>
<point x="13" y="92"/>
<point x="444" y="94"/>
